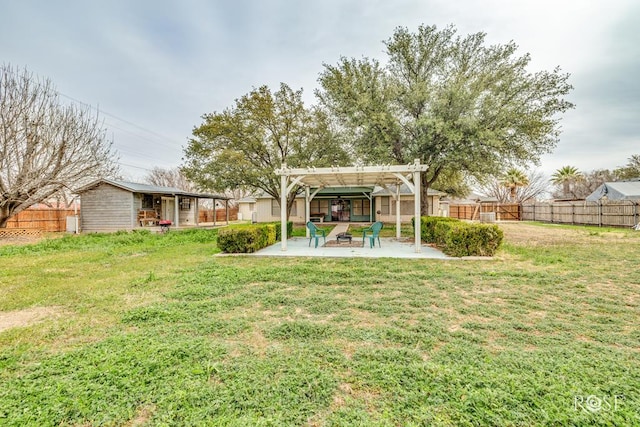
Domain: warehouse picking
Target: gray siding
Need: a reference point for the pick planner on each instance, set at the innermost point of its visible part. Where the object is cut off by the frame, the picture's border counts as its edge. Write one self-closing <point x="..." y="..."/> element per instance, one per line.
<point x="107" y="208"/>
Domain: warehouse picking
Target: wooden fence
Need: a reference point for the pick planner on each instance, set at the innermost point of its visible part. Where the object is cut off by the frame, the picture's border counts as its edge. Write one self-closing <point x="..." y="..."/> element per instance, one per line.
<point x="504" y="212"/>
<point x="221" y="216"/>
<point x="624" y="213"/>
<point x="41" y="219"/>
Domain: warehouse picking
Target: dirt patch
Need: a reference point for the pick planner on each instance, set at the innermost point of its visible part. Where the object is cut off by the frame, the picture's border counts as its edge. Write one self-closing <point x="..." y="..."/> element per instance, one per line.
<point x="27" y="317"/>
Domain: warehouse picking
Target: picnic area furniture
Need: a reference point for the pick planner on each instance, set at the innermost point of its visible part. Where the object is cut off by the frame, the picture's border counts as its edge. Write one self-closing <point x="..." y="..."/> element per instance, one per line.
<point x="344" y="237"/>
<point x="374" y="233"/>
<point x="316" y="217"/>
<point x="164" y="225"/>
<point x="316" y="233"/>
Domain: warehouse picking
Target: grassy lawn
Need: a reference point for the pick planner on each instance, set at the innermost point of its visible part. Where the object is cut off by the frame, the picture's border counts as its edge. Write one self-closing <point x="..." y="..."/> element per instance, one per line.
<point x="140" y="329"/>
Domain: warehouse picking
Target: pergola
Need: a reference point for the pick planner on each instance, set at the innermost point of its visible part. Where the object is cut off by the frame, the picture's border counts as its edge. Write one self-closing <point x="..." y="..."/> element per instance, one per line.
<point x="319" y="178"/>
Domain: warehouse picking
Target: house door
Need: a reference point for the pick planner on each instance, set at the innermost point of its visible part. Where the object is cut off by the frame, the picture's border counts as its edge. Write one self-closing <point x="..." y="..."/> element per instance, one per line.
<point x="169" y="209"/>
<point x="340" y="210"/>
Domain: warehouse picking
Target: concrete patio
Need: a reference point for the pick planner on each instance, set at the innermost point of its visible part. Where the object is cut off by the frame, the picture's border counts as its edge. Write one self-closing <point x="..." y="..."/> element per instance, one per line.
<point x="391" y="248"/>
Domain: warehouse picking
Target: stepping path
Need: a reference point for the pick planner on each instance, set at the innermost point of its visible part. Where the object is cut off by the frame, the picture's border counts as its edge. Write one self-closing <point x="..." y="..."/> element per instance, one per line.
<point x="339" y="228"/>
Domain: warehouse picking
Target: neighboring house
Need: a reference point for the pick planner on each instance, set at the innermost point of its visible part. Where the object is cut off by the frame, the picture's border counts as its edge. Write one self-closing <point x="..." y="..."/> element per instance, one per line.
<point x="342" y="204"/>
<point x="621" y="190"/>
<point x="117" y="205"/>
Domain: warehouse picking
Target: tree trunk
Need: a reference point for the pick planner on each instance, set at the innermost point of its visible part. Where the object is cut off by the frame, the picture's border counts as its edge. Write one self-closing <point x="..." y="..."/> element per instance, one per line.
<point x="424" y="200"/>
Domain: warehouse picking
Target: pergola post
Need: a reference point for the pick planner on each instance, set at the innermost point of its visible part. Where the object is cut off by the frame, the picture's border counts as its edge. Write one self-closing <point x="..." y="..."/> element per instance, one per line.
<point x="417" y="223"/>
<point x="398" y="210"/>
<point x="283" y="208"/>
<point x="307" y="207"/>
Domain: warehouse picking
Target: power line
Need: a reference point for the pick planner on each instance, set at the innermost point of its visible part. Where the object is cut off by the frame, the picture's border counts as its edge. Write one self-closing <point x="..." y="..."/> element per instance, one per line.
<point x="118" y="118"/>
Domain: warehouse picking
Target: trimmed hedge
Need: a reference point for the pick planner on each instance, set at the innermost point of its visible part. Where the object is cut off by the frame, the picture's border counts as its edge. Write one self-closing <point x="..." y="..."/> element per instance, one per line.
<point x="249" y="239"/>
<point x="428" y="224"/>
<point x="457" y="238"/>
<point x="279" y="229"/>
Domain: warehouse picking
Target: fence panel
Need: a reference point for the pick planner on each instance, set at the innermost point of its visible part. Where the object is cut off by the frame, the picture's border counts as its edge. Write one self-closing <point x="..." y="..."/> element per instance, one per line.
<point x="49" y="220"/>
<point x="504" y="212"/>
<point x="623" y="213"/>
<point x="206" y="215"/>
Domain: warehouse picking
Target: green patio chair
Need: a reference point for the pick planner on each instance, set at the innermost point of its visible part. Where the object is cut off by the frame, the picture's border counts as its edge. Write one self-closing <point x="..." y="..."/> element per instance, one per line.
<point x="315" y="233"/>
<point x="374" y="231"/>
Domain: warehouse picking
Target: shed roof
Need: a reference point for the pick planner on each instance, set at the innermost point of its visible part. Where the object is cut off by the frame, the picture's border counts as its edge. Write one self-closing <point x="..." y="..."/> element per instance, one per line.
<point x="621" y="190"/>
<point x="136" y="187"/>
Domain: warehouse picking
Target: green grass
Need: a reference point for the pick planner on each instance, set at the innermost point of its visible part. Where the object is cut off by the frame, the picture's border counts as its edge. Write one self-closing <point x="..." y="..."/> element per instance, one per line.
<point x="156" y="330"/>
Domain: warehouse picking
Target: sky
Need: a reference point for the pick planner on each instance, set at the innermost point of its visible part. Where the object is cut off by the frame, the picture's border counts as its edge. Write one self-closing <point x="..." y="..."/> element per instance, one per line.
<point x="153" y="68"/>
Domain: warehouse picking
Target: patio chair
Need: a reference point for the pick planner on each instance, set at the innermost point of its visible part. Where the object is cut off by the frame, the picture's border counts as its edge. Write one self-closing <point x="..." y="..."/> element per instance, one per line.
<point x="315" y="233"/>
<point x="374" y="231"/>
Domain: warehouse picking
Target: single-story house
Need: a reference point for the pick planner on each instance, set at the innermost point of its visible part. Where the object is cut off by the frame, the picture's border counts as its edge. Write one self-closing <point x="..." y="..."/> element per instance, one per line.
<point x="108" y="205"/>
<point x="341" y="204"/>
<point x="620" y="190"/>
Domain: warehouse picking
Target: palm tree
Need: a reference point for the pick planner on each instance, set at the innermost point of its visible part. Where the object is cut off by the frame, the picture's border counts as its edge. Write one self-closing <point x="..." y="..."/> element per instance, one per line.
<point x="512" y="179"/>
<point x="566" y="176"/>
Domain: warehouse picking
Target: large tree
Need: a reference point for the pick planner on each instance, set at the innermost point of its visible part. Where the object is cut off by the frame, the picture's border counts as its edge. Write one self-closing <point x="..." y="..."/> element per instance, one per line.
<point x="454" y="102"/>
<point x="243" y="145"/>
<point x="46" y="148"/>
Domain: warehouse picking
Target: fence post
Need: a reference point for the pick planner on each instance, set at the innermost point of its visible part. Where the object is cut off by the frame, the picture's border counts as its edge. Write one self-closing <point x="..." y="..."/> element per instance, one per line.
<point x="599" y="213"/>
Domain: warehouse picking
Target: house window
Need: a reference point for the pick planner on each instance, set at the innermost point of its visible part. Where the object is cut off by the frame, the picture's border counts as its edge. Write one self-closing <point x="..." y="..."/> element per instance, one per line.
<point x="384" y="205"/>
<point x="319" y="206"/>
<point x="185" y="203"/>
<point x="361" y="207"/>
<point x="275" y="208"/>
<point x="147" y="201"/>
<point x="406" y="207"/>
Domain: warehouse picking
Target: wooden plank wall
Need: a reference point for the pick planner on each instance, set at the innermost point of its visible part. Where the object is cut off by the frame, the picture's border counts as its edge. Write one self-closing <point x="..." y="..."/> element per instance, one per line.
<point x="49" y="220"/>
<point x="610" y="213"/>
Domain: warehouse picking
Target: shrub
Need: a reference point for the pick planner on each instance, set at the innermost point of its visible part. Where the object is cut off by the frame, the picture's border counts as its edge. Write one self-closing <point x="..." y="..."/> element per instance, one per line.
<point x="242" y="240"/>
<point x="428" y="224"/>
<point x="271" y="233"/>
<point x="465" y="239"/>
<point x="250" y="238"/>
<point x="279" y="228"/>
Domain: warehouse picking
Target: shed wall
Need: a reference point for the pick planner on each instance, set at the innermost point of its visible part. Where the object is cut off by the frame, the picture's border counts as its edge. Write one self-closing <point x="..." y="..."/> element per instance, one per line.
<point x="107" y="208"/>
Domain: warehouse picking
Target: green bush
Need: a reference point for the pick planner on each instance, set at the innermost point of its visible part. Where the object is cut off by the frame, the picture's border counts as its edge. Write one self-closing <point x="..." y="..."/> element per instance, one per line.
<point x="279" y="228"/>
<point x="242" y="240"/>
<point x="466" y="239"/>
<point x="250" y="238"/>
<point x="271" y="233"/>
<point x="428" y="224"/>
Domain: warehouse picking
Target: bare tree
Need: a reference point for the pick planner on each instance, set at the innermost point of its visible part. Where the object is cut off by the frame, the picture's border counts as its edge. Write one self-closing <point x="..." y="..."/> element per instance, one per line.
<point x="45" y="147"/>
<point x="169" y="178"/>
<point x="537" y="186"/>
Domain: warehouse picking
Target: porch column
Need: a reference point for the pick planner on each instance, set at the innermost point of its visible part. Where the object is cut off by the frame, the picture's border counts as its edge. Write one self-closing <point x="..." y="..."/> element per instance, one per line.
<point x="398" y="210"/>
<point x="214" y="212"/>
<point x="226" y="209"/>
<point x="176" y="210"/>
<point x="416" y="209"/>
<point x="283" y="209"/>
<point x="197" y="201"/>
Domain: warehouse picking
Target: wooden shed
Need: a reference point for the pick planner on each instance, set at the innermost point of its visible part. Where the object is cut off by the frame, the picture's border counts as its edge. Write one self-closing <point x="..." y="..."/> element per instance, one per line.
<point x="108" y="205"/>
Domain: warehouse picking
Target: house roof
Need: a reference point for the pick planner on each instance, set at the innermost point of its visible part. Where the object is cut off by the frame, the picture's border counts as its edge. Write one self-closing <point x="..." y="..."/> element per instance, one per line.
<point x="621" y="190"/>
<point x="136" y="187"/>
